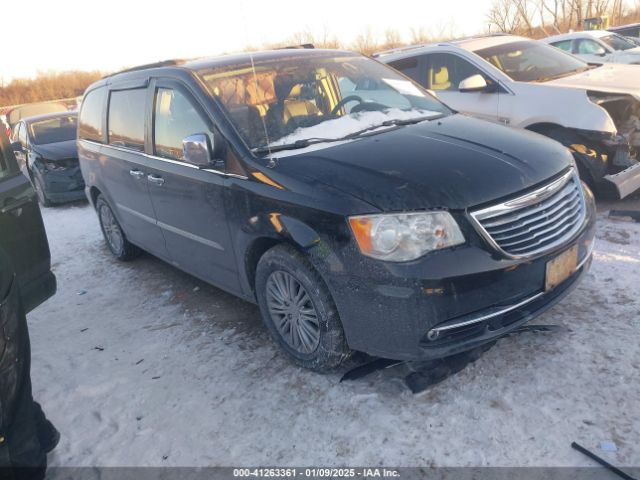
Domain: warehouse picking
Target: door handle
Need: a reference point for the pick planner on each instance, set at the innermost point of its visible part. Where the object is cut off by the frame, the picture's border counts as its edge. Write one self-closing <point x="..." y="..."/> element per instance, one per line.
<point x="155" y="179"/>
<point x="137" y="174"/>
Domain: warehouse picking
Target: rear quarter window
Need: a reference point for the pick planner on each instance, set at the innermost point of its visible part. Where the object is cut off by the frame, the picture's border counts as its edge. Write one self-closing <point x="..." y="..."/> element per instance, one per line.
<point x="126" y="118"/>
<point x="90" y="120"/>
<point x="563" y="45"/>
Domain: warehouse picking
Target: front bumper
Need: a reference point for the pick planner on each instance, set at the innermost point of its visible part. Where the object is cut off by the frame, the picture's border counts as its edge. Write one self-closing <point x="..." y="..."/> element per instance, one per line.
<point x="469" y="296"/>
<point x="627" y="181"/>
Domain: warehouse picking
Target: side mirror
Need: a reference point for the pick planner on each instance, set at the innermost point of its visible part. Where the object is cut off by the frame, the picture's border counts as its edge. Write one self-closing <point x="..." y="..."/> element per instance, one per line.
<point x="17" y="147"/>
<point x="474" y="83"/>
<point x="196" y="150"/>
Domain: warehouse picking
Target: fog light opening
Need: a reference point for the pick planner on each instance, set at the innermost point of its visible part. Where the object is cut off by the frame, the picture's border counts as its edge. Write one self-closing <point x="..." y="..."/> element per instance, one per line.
<point x="433" y="335"/>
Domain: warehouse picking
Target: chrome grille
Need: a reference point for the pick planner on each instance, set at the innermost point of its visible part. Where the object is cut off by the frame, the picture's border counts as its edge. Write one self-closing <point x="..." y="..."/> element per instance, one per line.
<point x="536" y="222"/>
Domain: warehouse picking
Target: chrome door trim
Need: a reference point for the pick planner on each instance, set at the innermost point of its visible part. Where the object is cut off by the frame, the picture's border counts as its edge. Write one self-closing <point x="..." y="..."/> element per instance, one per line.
<point x="167" y="160"/>
<point x="171" y="228"/>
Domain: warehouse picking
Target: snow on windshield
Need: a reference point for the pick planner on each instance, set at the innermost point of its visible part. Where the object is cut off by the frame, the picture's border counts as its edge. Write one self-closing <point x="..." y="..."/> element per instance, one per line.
<point x="348" y="124"/>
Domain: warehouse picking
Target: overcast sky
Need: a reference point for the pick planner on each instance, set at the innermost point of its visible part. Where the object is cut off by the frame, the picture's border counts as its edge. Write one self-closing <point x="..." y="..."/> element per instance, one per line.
<point x="108" y="35"/>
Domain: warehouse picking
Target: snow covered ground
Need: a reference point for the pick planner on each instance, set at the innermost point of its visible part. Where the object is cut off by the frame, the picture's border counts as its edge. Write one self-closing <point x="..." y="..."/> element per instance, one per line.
<point x="140" y="364"/>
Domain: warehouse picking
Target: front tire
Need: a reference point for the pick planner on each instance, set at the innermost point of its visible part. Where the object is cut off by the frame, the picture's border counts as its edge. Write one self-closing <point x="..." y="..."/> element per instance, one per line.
<point x="113" y="234"/>
<point x="298" y="310"/>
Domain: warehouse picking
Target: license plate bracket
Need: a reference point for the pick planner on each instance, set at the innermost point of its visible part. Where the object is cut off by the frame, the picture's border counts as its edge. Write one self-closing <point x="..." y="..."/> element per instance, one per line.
<point x="561" y="268"/>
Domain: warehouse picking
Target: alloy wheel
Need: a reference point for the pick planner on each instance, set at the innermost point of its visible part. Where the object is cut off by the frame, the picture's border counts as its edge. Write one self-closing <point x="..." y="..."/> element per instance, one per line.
<point x="111" y="229"/>
<point x="293" y="312"/>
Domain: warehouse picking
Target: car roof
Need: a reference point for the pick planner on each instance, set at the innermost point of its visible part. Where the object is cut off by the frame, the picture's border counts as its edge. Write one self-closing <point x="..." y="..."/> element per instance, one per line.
<point x="470" y="44"/>
<point x="622" y="27"/>
<point x="583" y="34"/>
<point x="48" y="116"/>
<point x="193" y="65"/>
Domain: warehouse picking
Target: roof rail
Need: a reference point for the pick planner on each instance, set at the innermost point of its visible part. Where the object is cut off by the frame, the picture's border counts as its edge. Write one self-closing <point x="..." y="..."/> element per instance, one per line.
<point x="399" y="49"/>
<point x="442" y="42"/>
<point x="305" y="46"/>
<point x="164" y="63"/>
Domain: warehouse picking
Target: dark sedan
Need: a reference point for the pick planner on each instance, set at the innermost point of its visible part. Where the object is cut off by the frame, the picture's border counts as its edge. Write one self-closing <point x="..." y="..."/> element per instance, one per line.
<point x="46" y="148"/>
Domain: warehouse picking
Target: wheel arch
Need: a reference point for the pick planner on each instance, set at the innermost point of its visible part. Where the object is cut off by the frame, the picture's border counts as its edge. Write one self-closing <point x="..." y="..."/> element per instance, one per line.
<point x="283" y="230"/>
<point x="93" y="194"/>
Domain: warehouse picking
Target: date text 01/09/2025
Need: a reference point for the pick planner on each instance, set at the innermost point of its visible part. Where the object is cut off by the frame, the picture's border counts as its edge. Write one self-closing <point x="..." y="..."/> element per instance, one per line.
<point x="316" y="472"/>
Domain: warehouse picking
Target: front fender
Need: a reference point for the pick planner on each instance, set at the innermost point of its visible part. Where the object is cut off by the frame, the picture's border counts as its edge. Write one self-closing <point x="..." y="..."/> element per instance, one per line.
<point x="567" y="107"/>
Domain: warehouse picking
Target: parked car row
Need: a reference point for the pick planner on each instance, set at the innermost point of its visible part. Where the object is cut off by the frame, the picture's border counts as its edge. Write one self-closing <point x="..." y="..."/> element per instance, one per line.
<point x="597" y="46"/>
<point x="594" y="110"/>
<point x="348" y="199"/>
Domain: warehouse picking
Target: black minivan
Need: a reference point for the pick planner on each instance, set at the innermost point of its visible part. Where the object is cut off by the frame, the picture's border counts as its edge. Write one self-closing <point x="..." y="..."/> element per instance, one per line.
<point x="357" y="210"/>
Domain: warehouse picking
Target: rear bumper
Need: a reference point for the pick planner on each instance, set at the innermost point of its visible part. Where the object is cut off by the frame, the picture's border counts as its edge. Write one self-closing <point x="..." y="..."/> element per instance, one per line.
<point x="63" y="185"/>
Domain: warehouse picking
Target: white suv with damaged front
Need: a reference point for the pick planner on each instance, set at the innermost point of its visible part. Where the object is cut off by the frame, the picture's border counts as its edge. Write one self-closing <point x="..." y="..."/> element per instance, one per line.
<point x="594" y="110"/>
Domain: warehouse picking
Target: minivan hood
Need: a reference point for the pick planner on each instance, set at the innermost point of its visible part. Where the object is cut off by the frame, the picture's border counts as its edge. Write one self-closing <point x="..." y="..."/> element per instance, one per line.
<point x="57" y="151"/>
<point x="454" y="162"/>
<point x="609" y="77"/>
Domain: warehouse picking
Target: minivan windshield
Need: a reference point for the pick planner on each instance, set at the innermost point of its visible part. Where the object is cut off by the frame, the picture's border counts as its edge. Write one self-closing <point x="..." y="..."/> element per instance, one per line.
<point x="53" y="130"/>
<point x="289" y="101"/>
<point x="532" y="61"/>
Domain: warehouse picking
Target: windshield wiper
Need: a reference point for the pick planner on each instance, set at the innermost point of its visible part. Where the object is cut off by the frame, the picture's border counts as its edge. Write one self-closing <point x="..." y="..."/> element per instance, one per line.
<point x="302" y="143"/>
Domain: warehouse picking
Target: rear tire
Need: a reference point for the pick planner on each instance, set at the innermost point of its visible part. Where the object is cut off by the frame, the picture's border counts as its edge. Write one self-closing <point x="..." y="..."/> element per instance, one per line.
<point x="113" y="234"/>
<point x="298" y="310"/>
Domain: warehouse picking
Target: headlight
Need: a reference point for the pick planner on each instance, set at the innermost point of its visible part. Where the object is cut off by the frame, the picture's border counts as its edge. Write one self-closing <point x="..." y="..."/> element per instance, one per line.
<point x="401" y="237"/>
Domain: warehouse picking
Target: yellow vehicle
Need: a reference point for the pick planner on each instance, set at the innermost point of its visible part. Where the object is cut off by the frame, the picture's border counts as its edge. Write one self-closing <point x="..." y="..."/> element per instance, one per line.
<point x="596" y="23"/>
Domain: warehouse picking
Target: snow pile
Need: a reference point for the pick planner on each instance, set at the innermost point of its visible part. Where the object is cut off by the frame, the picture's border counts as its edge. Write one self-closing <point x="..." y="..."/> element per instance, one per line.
<point x="348" y="124"/>
<point x="151" y="367"/>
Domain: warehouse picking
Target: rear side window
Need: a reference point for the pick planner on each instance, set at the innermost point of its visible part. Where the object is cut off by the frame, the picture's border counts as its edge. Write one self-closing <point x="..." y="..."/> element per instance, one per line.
<point x="408" y="66"/>
<point x="590" y="47"/>
<point x="16" y="132"/>
<point x="90" y="122"/>
<point x="563" y="45"/>
<point x="126" y="118"/>
<point x="22" y="134"/>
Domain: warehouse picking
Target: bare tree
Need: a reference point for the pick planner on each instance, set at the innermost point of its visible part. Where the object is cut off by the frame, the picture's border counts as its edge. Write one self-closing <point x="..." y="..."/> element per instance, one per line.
<point x="392" y="38"/>
<point x="419" y="35"/>
<point x="504" y="15"/>
<point x="365" y="42"/>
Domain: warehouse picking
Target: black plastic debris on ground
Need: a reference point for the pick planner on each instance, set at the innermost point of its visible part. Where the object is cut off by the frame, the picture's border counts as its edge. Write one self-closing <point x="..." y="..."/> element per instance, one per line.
<point x="423" y="375"/>
<point x="601" y="461"/>
<point x="633" y="214"/>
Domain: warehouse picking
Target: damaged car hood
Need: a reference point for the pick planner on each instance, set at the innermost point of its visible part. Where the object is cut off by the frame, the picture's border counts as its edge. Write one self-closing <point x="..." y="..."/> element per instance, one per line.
<point x="455" y="162"/>
<point x="610" y="77"/>
<point x="57" y="151"/>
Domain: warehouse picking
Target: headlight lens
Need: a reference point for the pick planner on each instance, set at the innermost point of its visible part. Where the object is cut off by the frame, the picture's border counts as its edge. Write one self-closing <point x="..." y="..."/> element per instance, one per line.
<point x="405" y="236"/>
